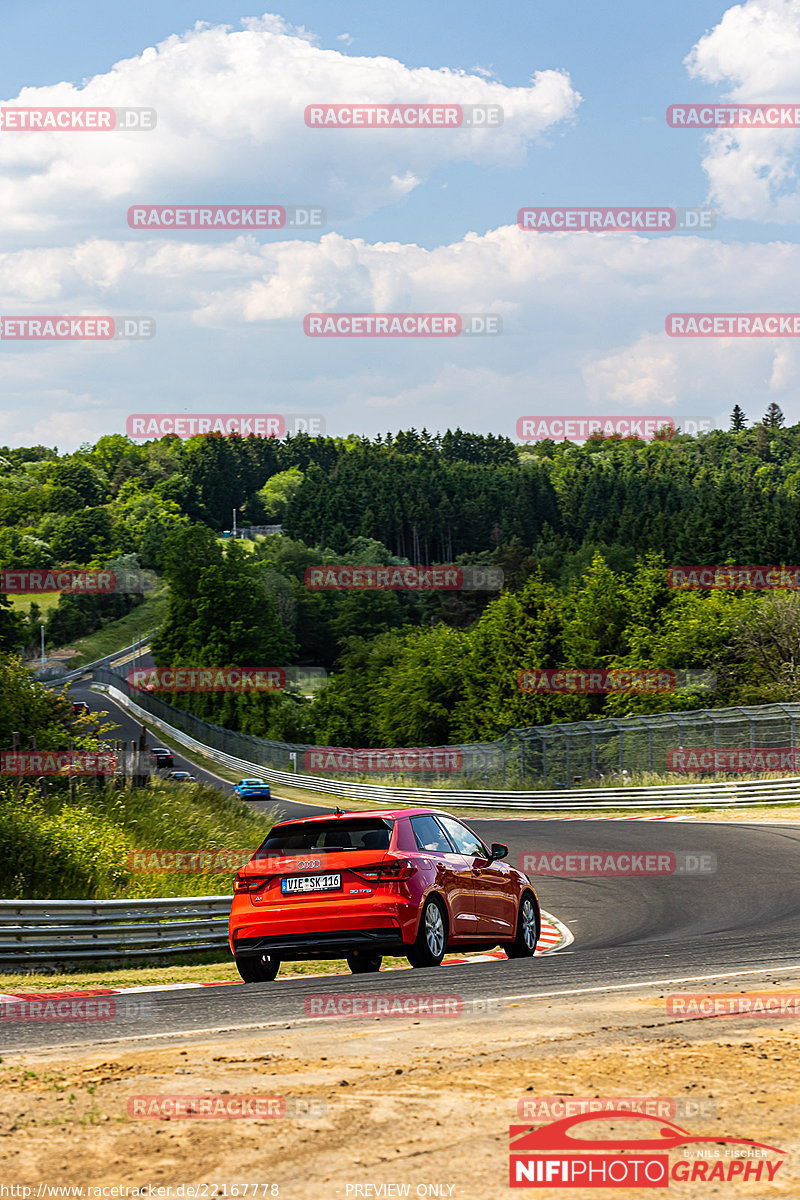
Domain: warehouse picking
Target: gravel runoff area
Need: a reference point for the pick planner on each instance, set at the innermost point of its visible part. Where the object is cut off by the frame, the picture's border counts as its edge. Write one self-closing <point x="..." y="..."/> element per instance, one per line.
<point x="421" y="1104"/>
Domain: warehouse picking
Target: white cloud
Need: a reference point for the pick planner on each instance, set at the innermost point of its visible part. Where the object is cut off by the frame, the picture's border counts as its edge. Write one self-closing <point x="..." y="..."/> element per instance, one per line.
<point x="583" y="329"/>
<point x="754" y="55"/>
<point x="230" y="107"/>
<point x="692" y="378"/>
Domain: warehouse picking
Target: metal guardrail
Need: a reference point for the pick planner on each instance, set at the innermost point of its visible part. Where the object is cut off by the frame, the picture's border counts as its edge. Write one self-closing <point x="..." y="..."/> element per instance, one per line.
<point x="557" y="756"/>
<point x="105" y="661"/>
<point x="727" y="793"/>
<point x="48" y="930"/>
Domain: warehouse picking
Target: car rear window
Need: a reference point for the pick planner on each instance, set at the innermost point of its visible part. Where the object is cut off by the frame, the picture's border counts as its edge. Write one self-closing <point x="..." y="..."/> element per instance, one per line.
<point x="347" y="833"/>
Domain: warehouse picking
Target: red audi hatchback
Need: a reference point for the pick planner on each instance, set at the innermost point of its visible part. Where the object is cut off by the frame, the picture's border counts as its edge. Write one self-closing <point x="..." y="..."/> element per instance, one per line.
<point x="413" y="882"/>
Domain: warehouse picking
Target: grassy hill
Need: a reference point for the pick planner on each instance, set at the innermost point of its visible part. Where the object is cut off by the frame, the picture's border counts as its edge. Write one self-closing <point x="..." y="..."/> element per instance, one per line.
<point x="54" y="848"/>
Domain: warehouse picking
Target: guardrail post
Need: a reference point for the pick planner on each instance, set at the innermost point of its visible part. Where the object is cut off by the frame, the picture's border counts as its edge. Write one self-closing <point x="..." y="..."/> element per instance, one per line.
<point x="569" y="761"/>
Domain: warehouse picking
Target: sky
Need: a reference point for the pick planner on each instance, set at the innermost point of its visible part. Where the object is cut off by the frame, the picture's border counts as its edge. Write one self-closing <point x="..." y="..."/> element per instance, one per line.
<point x="416" y="221"/>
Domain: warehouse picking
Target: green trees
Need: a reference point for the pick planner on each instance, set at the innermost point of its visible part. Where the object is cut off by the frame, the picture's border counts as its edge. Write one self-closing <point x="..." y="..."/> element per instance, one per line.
<point x="397" y="689"/>
<point x="276" y="494"/>
<point x="83" y="536"/>
<point x="437" y="685"/>
<point x="143" y="522"/>
<point x="221" y="613"/>
<point x="31" y="709"/>
<point x="13" y="629"/>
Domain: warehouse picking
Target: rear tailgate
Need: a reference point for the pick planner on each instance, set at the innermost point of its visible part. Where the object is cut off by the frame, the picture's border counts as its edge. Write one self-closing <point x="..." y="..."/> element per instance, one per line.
<point x="311" y="878"/>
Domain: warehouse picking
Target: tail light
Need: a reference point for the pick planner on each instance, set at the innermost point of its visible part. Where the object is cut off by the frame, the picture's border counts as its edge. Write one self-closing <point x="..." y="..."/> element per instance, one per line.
<point x="250" y="883"/>
<point x="395" y="870"/>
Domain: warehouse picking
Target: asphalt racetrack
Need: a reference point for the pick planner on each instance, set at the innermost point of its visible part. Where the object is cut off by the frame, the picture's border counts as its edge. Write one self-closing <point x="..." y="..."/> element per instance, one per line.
<point x="742" y="918"/>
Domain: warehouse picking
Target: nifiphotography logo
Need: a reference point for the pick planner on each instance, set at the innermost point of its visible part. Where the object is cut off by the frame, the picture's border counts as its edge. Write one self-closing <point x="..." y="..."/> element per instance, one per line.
<point x="552" y="1156"/>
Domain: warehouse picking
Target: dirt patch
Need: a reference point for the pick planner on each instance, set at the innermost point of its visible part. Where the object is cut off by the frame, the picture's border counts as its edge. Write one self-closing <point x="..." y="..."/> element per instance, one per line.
<point x="419" y="1103"/>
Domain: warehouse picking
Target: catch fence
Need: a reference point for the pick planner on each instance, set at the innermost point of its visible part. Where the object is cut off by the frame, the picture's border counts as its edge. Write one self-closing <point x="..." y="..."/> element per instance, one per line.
<point x="557" y="756"/>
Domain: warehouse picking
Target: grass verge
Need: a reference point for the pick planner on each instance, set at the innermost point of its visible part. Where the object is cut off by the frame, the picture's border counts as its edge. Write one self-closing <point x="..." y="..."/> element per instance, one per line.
<point x="54" y="846"/>
<point x="219" y="968"/>
<point x="119" y="634"/>
<point x="45" y="601"/>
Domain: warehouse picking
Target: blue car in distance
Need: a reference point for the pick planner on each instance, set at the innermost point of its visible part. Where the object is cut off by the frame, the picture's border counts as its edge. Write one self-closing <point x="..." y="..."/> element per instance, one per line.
<point x="252" y="789"/>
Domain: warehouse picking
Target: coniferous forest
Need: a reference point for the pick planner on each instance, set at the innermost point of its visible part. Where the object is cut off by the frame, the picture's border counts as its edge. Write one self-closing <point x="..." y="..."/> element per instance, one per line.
<point x="583" y="535"/>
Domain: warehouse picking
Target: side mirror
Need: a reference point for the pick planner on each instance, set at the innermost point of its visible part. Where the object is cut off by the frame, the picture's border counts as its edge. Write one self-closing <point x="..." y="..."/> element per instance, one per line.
<point x="499" y="851"/>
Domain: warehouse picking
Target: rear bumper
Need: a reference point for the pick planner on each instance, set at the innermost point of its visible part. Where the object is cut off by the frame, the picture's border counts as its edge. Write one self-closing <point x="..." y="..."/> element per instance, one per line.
<point x="321" y="945"/>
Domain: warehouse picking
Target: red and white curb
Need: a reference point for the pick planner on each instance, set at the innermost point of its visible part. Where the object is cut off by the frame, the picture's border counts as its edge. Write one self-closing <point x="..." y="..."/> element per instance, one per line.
<point x="554" y="936"/>
<point x="591" y="818"/>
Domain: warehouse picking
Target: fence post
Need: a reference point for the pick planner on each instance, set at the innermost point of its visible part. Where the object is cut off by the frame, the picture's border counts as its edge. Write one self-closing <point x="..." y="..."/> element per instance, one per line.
<point x="71" y="748"/>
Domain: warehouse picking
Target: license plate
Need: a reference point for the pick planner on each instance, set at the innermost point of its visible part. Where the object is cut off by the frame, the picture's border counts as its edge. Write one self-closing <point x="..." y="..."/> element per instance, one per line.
<point x="295" y="884"/>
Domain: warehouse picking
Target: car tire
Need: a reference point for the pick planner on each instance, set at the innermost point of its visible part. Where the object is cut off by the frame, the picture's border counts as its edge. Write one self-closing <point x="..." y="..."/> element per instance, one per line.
<point x="528" y="926"/>
<point x="258" y="968"/>
<point x="431" y="943"/>
<point x="362" y="962"/>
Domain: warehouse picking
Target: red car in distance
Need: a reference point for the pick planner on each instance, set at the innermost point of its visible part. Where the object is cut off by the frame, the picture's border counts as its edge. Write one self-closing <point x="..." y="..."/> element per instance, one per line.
<point x="410" y="881"/>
